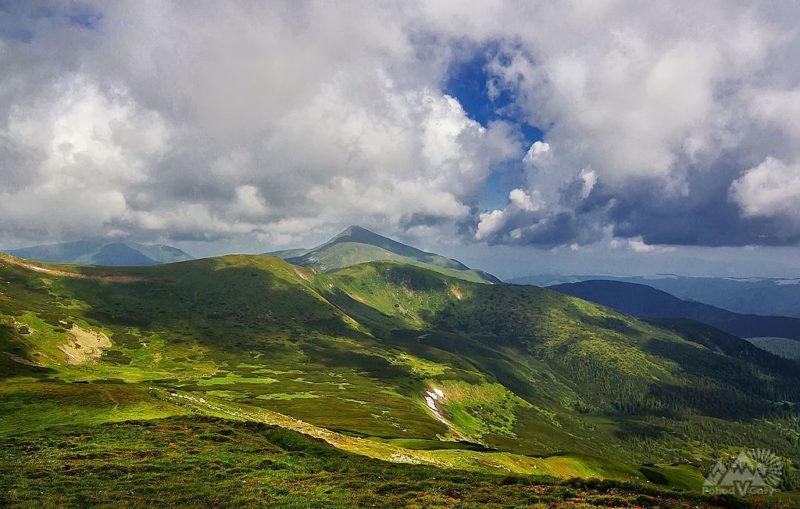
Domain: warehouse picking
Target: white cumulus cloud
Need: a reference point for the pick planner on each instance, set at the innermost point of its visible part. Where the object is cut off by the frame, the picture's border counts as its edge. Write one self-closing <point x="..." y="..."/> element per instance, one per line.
<point x="769" y="189"/>
<point x="273" y="121"/>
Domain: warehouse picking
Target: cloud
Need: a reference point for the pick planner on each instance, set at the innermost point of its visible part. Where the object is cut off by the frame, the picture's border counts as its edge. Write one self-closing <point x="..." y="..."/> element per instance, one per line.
<point x="536" y="150"/>
<point x="653" y="121"/>
<point x="522" y="208"/>
<point x="206" y="120"/>
<point x="770" y="189"/>
<point x="79" y="151"/>
<point x="489" y="223"/>
<point x="523" y="201"/>
<point x="637" y="245"/>
<point x="589" y="178"/>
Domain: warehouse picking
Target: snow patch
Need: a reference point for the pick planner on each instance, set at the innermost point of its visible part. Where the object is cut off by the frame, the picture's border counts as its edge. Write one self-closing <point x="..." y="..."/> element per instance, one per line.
<point x="431" y="403"/>
<point x="431" y="396"/>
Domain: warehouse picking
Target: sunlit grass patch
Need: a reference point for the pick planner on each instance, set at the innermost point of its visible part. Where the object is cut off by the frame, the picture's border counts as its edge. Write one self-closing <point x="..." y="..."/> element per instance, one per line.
<point x="235" y="378"/>
<point x="292" y="395"/>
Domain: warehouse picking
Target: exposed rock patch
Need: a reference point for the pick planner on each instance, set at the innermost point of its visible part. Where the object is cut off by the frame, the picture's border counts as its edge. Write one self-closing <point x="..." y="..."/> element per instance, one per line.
<point x="84" y="345"/>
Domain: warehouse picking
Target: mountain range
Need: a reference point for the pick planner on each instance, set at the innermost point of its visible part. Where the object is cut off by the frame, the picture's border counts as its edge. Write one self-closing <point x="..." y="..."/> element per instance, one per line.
<point x="757" y="296"/>
<point x="283" y="378"/>
<point x="103" y="252"/>
<point x="645" y="302"/>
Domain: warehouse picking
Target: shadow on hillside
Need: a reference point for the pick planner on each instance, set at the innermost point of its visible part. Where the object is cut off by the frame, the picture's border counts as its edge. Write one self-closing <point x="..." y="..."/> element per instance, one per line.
<point x="721" y="381"/>
<point x="229" y="307"/>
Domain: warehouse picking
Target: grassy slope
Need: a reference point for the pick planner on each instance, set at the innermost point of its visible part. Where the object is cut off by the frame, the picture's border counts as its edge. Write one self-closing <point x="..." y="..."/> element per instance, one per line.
<point x="351" y="354"/>
<point x="570" y="358"/>
<point x="208" y="462"/>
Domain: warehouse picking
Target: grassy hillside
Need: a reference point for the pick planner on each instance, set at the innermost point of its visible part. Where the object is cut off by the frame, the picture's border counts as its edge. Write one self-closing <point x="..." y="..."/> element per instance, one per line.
<point x="385" y="360"/>
<point x="206" y="462"/>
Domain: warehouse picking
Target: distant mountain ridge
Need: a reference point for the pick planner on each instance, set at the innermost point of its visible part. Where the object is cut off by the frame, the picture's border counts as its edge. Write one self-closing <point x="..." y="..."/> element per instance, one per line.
<point x="643" y="301"/>
<point x="357" y="245"/>
<point x="103" y="252"/>
<point x="759" y="296"/>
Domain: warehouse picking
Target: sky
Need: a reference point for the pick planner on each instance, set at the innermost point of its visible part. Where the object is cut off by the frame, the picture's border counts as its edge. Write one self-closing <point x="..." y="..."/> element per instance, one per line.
<point x="590" y="137"/>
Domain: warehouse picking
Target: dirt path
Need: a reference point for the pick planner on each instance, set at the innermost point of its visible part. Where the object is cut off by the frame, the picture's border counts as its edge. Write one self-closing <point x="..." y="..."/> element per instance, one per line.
<point x="463" y="459"/>
<point x="111" y="397"/>
<point x="108" y="278"/>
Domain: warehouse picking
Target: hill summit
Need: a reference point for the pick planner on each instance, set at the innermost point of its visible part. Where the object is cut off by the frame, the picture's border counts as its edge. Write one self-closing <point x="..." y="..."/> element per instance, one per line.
<point x="357" y="245"/>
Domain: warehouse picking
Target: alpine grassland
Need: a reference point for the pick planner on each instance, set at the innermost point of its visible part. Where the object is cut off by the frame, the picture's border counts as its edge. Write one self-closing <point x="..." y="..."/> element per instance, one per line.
<point x="247" y="380"/>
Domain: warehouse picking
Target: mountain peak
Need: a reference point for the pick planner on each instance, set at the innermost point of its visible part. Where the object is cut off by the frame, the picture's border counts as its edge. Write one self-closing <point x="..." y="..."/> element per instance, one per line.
<point x="353" y="228"/>
<point x="355" y="244"/>
<point x="357" y="233"/>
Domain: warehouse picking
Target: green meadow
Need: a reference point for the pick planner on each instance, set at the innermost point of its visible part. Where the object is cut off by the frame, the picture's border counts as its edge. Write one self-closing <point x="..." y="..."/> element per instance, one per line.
<point x="246" y="380"/>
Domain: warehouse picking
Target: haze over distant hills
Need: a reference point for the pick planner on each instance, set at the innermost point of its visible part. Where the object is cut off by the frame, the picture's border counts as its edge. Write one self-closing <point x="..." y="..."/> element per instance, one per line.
<point x="644" y="301"/>
<point x="357" y="245"/>
<point x="103" y="252"/>
<point x="758" y="296"/>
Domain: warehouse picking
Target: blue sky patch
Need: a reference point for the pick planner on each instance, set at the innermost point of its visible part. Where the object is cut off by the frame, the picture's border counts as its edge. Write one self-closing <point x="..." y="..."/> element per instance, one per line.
<point x="468" y="80"/>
